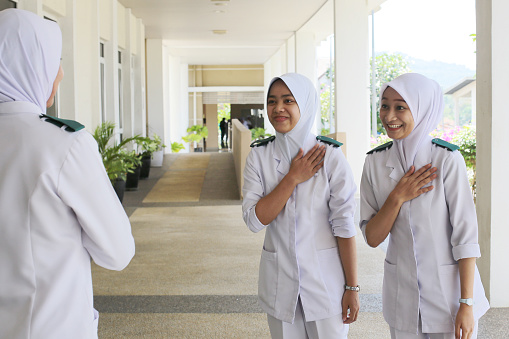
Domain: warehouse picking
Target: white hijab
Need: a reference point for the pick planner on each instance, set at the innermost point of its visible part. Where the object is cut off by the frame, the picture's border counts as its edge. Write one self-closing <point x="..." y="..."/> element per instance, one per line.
<point x="425" y="100"/>
<point x="307" y="99"/>
<point x="30" y="49"/>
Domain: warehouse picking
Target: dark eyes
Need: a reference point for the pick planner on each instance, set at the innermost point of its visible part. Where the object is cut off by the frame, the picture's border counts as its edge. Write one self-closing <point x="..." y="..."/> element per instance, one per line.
<point x="398" y="108"/>
<point x="286" y="101"/>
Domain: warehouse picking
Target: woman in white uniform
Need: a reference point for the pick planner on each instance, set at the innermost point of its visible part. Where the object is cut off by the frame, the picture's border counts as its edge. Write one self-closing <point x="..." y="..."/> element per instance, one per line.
<point x="416" y="189"/>
<point x="58" y="209"/>
<point x="306" y="205"/>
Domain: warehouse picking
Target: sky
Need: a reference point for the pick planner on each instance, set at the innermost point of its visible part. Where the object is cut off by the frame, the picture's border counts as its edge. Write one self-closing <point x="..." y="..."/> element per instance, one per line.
<point x="427" y="29"/>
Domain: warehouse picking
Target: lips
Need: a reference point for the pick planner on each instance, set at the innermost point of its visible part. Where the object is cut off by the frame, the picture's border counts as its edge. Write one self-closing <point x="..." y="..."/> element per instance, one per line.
<point x="280" y="118"/>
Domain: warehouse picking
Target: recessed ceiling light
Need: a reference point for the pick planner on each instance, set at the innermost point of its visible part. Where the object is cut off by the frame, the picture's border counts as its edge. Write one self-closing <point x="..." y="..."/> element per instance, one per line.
<point x="220" y="2"/>
<point x="219" y="31"/>
<point x="219" y="11"/>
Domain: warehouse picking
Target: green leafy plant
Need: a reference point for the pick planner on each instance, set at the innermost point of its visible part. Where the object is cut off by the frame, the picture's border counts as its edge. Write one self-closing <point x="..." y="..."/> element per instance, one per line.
<point x="176" y="147"/>
<point x="196" y="133"/>
<point x="116" y="159"/>
<point x="258" y="133"/>
<point x="147" y="146"/>
<point x="159" y="142"/>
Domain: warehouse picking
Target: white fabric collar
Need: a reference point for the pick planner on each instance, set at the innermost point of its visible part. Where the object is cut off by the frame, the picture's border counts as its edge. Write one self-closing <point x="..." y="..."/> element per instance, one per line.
<point x="425" y="100"/>
<point x="30" y="49"/>
<point x="305" y="94"/>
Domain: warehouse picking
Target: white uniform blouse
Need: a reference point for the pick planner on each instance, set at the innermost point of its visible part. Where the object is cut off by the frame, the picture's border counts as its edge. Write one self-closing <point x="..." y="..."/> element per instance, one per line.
<point x="57" y="211"/>
<point x="300" y="254"/>
<point x="429" y="236"/>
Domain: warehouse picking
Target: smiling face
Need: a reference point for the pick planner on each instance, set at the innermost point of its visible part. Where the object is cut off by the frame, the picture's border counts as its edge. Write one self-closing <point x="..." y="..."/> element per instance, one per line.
<point x="395" y="115"/>
<point x="282" y="109"/>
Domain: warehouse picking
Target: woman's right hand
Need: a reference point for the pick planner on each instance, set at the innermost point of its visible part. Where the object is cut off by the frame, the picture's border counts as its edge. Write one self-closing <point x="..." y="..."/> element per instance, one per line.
<point x="412" y="184"/>
<point x="304" y="167"/>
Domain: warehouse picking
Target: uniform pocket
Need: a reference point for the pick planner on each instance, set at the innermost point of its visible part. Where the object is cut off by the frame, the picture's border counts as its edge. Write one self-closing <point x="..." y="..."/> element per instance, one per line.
<point x="267" y="283"/>
<point x="450" y="283"/>
<point x="390" y="291"/>
<point x="332" y="274"/>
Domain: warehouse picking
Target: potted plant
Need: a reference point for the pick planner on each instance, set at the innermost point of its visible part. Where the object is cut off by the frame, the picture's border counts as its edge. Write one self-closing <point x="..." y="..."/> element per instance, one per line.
<point x="148" y="147"/>
<point x="117" y="161"/>
<point x="158" y="154"/>
<point x="196" y="133"/>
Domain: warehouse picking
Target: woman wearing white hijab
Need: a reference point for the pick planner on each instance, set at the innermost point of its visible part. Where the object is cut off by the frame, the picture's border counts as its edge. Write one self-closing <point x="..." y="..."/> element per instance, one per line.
<point x="430" y="276"/>
<point x="57" y="207"/>
<point x="306" y="205"/>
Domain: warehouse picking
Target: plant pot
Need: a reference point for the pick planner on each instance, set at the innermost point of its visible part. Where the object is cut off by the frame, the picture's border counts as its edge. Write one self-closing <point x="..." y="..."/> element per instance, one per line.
<point x="198" y="149"/>
<point x="131" y="183"/>
<point x="145" y="166"/>
<point x="157" y="159"/>
<point x="119" y="187"/>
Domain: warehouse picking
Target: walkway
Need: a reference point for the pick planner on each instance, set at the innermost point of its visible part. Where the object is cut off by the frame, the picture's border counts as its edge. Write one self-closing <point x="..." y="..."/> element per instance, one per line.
<point x="196" y="266"/>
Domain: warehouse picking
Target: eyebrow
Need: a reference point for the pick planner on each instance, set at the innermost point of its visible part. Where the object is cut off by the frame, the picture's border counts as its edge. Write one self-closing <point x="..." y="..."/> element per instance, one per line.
<point x="384" y="98"/>
<point x="283" y="96"/>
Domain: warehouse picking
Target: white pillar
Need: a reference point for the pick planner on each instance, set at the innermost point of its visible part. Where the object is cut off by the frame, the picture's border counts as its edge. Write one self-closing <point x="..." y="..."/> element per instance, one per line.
<point x="305" y="63"/>
<point x="140" y="111"/>
<point x="351" y="35"/>
<point x="128" y="75"/>
<point x="67" y="90"/>
<point x="156" y="89"/>
<point x="492" y="161"/>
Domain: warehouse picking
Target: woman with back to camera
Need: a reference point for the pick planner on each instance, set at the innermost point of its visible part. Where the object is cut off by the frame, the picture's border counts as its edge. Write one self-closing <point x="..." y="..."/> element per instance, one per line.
<point x="416" y="189"/>
<point x="300" y="189"/>
<point x="58" y="209"/>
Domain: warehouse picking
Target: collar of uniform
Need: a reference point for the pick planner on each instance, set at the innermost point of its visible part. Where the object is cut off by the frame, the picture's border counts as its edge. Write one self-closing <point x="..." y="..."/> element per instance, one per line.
<point x="422" y="158"/>
<point x="19" y="107"/>
<point x="394" y="163"/>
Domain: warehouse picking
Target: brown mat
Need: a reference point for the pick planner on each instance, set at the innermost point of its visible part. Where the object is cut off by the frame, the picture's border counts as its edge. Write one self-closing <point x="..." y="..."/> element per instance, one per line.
<point x="183" y="182"/>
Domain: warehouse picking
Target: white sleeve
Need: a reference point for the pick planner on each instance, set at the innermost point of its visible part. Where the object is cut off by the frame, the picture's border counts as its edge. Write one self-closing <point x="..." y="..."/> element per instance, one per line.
<point x="369" y="206"/>
<point x="342" y="194"/>
<point x="458" y="195"/>
<point x="252" y="192"/>
<point x="84" y="186"/>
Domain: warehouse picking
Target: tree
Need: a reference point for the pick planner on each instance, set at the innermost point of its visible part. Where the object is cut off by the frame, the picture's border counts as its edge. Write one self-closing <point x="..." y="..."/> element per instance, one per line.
<point x="388" y="67"/>
<point x="325" y="101"/>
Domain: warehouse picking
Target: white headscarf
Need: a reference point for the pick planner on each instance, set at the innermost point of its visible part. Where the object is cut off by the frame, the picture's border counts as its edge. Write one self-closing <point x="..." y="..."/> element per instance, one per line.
<point x="30" y="50"/>
<point x="425" y="100"/>
<point x="307" y="99"/>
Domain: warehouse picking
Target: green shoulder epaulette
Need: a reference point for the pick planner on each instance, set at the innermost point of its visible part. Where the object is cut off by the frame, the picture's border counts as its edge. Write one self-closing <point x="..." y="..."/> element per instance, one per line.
<point x="445" y="144"/>
<point x="329" y="141"/>
<point x="70" y="125"/>
<point x="387" y="145"/>
<point x="262" y="142"/>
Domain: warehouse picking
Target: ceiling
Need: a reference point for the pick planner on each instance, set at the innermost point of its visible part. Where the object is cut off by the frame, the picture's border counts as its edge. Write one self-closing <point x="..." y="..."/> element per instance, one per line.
<point x="255" y="29"/>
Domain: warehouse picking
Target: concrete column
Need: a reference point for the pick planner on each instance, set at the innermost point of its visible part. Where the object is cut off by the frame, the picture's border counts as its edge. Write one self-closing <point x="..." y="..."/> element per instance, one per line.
<point x="139" y="100"/>
<point x="155" y="87"/>
<point x="68" y="89"/>
<point x="111" y="67"/>
<point x="492" y="160"/>
<point x="352" y="93"/>
<point x="305" y="63"/>
<point x="128" y="76"/>
<point x="290" y="55"/>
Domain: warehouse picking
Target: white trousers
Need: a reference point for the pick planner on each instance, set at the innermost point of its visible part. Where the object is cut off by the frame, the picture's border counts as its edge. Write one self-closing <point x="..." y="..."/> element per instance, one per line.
<point x="330" y="328"/>
<point x="396" y="334"/>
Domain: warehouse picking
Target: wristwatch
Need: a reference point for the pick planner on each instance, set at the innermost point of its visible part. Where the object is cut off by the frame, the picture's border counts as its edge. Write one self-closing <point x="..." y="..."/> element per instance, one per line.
<point x="353" y="288"/>
<point x="468" y="301"/>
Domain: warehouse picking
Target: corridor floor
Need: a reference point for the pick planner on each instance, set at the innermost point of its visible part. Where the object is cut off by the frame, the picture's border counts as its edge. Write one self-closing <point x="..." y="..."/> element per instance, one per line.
<point x="195" y="271"/>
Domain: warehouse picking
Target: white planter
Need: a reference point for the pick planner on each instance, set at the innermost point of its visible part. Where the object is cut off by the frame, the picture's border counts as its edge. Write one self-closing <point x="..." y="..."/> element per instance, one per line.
<point x="157" y="159"/>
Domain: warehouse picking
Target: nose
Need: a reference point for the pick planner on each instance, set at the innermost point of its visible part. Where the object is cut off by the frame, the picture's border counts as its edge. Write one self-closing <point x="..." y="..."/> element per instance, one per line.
<point x="279" y="107"/>
<point x="391" y="115"/>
